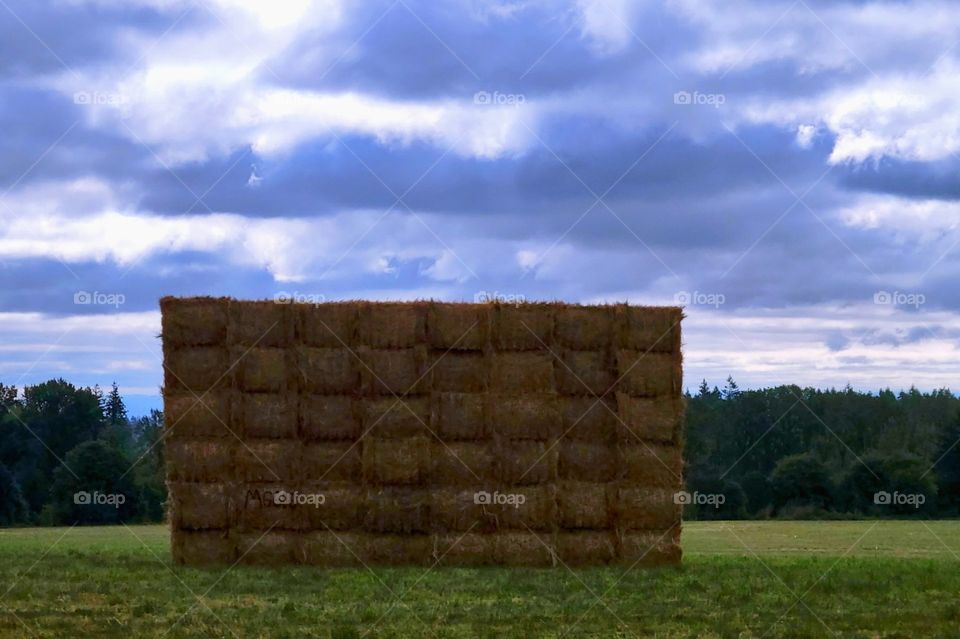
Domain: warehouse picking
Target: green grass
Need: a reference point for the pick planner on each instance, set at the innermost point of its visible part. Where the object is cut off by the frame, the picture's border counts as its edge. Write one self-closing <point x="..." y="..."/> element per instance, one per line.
<point x="738" y="579"/>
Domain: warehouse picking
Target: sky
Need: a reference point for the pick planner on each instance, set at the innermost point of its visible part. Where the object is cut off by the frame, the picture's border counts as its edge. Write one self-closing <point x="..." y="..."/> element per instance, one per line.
<point x="787" y="171"/>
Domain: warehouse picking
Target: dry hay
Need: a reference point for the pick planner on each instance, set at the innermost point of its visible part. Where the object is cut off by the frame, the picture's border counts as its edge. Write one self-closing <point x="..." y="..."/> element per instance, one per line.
<point x="262" y="370"/>
<point x="459" y="372"/>
<point x="525" y="549"/>
<point x="328" y="370"/>
<point x="523" y="327"/>
<point x="262" y="324"/>
<point x="461" y="463"/>
<point x="522" y="372"/>
<point x="644" y="374"/>
<point x="586" y="373"/>
<point x="276" y="547"/>
<point x="269" y="415"/>
<point x="341" y="506"/>
<point x="331" y="325"/>
<point x="332" y="549"/>
<point x="529" y="416"/>
<point x="393" y="372"/>
<point x="394" y="418"/>
<point x="589" y="419"/>
<point x="395" y="461"/>
<point x="400" y="550"/>
<point x="458" y="326"/>
<point x="526" y="508"/>
<point x="523" y="463"/>
<point x="268" y="460"/>
<point x="392" y="325"/>
<point x="262" y="506"/>
<point x="645" y="328"/>
<point x="646" y="418"/>
<point x="584" y="505"/>
<point x="644" y="508"/>
<point x="456" y="416"/>
<point x="211" y="460"/>
<point x="459" y="510"/>
<point x="652" y="465"/>
<point x="397" y="510"/>
<point x="585" y="328"/>
<point x="198" y="369"/>
<point x="195" y="506"/>
<point x="584" y="461"/>
<point x="463" y="549"/>
<point x="332" y="461"/>
<point x="193" y="322"/>
<point x="190" y="416"/>
<point x="587" y="548"/>
<point x="202" y="547"/>
<point x="649" y="547"/>
<point x="329" y="418"/>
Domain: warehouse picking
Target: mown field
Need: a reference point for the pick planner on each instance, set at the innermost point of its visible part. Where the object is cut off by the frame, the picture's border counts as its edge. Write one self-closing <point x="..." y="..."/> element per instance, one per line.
<point x="738" y="579"/>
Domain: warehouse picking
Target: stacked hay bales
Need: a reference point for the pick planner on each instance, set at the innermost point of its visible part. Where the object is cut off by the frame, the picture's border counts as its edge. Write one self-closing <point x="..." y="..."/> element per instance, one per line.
<point x="419" y="433"/>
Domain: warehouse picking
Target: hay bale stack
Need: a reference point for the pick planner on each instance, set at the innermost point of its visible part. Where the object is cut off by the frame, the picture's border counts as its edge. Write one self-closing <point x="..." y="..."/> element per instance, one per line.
<point x="361" y="433"/>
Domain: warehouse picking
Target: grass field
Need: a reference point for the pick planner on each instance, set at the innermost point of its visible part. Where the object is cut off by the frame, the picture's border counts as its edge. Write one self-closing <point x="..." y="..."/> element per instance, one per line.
<point x="738" y="579"/>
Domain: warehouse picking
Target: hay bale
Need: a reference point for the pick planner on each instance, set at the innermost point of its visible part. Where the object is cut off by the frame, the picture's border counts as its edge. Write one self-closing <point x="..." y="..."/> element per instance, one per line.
<point x="203" y="547"/>
<point x="199" y="321"/>
<point x="526" y="508"/>
<point x="463" y="549"/>
<point x="648" y="374"/>
<point x="396" y="461"/>
<point x="275" y="548"/>
<point x="589" y="419"/>
<point x="649" y="547"/>
<point x="269" y="460"/>
<point x="584" y="461"/>
<point x="262" y="506"/>
<point x="455" y="416"/>
<point x="524" y="327"/>
<point x="332" y="549"/>
<point x="269" y="415"/>
<point x="585" y="327"/>
<point x="461" y="463"/>
<point x="586" y="373"/>
<point x="522" y="463"/>
<point x="392" y="418"/>
<point x="651" y="464"/>
<point x="397" y="510"/>
<point x="196" y="506"/>
<point x="522" y="372"/>
<point x="328" y="370"/>
<point x="645" y="508"/>
<point x="460" y="510"/>
<point x="394" y="372"/>
<point x="262" y="370"/>
<point x="458" y="326"/>
<point x="646" y="328"/>
<point x="339" y="509"/>
<point x="645" y="418"/>
<point x="584" y="505"/>
<point x="587" y="548"/>
<point x="189" y="416"/>
<point x="392" y="325"/>
<point x="331" y="461"/>
<point x="460" y="372"/>
<point x="262" y="324"/>
<point x="525" y="549"/>
<point x="396" y="550"/>
<point x="328" y="325"/>
<point x="207" y="460"/>
<point x="528" y="416"/>
<point x="197" y="369"/>
<point x="329" y="418"/>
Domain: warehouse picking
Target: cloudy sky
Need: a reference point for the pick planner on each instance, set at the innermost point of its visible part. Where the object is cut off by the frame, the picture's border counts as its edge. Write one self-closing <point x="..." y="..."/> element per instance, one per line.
<point x="786" y="170"/>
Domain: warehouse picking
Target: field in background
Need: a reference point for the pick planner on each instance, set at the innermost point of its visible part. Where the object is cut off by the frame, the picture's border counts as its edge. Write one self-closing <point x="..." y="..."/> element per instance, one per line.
<point x="749" y="579"/>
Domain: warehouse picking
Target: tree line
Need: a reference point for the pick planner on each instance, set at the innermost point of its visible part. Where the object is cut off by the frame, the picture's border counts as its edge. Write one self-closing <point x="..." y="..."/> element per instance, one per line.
<point x="71" y="454"/>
